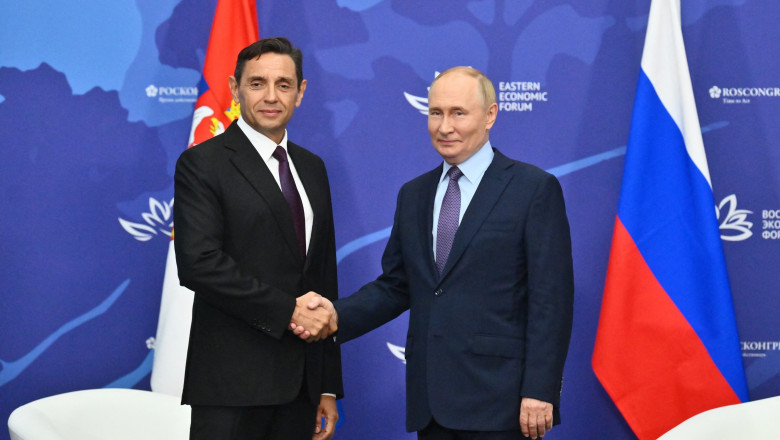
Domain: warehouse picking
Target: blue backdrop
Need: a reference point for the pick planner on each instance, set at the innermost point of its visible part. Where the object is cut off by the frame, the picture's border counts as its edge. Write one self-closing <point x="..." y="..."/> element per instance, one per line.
<point x="96" y="103"/>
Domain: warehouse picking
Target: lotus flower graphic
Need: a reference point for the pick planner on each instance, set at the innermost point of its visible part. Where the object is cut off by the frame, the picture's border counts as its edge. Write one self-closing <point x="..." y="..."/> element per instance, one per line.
<point x="734" y="220"/>
<point x="158" y="220"/>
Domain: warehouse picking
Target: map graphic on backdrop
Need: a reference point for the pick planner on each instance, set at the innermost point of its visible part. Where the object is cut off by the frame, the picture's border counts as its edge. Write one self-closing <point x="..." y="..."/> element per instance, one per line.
<point x="97" y="102"/>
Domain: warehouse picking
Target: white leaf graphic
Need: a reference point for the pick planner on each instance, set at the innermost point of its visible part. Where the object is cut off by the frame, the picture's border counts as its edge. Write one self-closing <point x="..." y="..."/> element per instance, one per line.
<point x="138" y="231"/>
<point x="159" y="216"/>
<point x="418" y="102"/>
<point x="398" y="351"/>
<point x="159" y="212"/>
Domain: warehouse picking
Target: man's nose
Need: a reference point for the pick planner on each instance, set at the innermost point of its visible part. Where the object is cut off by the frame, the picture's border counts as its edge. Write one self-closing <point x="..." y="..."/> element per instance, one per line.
<point x="271" y="94"/>
<point x="446" y="125"/>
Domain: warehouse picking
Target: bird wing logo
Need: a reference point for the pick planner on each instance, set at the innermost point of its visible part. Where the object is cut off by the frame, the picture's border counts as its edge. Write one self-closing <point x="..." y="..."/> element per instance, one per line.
<point x="398" y="351"/>
<point x="419" y="102"/>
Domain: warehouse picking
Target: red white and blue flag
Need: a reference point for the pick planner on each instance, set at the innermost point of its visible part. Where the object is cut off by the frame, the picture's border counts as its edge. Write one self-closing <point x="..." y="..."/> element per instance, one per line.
<point x="234" y="28"/>
<point x="667" y="346"/>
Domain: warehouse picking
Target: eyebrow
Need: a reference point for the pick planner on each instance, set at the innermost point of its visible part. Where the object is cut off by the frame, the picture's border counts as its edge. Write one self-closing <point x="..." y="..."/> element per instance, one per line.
<point x="286" y="79"/>
<point x="455" y="108"/>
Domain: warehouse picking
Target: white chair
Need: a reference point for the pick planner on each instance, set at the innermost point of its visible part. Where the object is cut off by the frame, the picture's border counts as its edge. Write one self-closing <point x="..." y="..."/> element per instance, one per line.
<point x="757" y="420"/>
<point x="110" y="413"/>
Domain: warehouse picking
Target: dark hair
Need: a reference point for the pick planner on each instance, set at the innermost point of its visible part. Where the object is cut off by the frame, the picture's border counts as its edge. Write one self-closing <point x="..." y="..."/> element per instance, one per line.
<point x="278" y="45"/>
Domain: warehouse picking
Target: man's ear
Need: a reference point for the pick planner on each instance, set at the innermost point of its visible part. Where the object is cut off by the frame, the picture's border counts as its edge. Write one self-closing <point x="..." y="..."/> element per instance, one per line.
<point x="301" y="89"/>
<point x="492" y="113"/>
<point x="233" y="87"/>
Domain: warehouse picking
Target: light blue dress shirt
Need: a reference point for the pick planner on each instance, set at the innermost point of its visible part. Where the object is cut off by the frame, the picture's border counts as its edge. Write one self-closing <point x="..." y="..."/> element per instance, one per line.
<point x="473" y="170"/>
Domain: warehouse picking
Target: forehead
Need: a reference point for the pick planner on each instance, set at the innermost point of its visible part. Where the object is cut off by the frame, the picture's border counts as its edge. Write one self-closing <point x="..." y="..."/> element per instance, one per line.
<point x="454" y="89"/>
<point x="270" y="65"/>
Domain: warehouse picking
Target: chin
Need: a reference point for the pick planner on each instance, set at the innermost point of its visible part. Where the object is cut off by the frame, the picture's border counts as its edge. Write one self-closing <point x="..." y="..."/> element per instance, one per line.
<point x="444" y="152"/>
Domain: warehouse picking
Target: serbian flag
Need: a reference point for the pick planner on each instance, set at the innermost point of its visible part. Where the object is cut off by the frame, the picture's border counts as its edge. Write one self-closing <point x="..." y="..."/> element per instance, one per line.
<point x="234" y="28"/>
<point x="667" y="345"/>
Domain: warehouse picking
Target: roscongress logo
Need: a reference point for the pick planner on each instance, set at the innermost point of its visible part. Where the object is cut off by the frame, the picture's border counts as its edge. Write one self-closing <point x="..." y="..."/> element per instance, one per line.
<point x="715" y="92"/>
<point x="758" y="348"/>
<point x="168" y="94"/>
<point x="743" y="95"/>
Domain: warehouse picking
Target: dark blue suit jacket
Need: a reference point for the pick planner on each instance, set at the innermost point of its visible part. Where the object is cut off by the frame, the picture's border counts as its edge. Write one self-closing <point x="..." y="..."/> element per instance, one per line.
<point x="495" y="326"/>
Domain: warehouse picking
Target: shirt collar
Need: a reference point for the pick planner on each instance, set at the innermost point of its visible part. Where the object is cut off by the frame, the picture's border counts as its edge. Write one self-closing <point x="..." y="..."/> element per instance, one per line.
<point x="264" y="145"/>
<point x="475" y="166"/>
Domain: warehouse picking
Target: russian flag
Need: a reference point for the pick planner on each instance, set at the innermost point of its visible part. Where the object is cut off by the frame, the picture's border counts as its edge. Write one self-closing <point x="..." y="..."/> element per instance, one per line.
<point x="667" y="346"/>
<point x="234" y="27"/>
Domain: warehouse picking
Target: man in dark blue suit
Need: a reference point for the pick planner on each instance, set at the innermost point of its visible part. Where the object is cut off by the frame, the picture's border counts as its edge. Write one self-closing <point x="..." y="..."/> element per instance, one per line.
<point x="480" y="253"/>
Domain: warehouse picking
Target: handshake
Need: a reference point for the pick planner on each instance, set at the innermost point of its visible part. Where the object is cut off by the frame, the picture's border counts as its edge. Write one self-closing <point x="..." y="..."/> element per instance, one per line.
<point x="314" y="317"/>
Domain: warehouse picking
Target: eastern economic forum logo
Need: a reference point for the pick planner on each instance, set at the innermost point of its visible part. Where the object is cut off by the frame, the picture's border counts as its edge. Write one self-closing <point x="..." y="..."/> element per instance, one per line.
<point x="742" y="95"/>
<point x="519" y="96"/>
<point x="512" y="96"/>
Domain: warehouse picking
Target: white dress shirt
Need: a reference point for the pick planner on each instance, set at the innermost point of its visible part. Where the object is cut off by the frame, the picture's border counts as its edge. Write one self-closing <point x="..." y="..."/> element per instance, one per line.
<point x="266" y="147"/>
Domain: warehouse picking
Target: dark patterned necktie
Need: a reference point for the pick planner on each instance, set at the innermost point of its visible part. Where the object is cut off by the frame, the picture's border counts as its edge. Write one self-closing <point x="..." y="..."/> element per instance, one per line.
<point x="290" y="192"/>
<point x="448" y="218"/>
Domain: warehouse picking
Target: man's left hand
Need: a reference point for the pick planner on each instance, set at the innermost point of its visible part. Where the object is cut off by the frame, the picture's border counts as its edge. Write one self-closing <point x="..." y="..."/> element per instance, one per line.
<point x="536" y="417"/>
<point x="327" y="410"/>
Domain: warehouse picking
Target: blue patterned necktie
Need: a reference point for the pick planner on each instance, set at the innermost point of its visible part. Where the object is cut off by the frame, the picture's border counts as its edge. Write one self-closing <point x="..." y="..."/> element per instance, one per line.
<point x="290" y="192"/>
<point x="448" y="218"/>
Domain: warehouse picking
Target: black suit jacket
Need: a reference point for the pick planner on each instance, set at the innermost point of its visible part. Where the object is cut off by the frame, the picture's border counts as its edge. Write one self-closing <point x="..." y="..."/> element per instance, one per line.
<point x="236" y="249"/>
<point x="495" y="326"/>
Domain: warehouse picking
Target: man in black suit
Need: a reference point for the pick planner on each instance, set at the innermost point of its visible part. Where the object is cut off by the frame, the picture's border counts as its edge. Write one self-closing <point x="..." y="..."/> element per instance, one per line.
<point x="480" y="254"/>
<point x="254" y="241"/>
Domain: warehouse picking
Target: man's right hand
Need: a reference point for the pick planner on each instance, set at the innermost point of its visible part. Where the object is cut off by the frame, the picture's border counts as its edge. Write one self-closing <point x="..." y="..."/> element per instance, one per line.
<point x="316" y="320"/>
<point x="315" y="303"/>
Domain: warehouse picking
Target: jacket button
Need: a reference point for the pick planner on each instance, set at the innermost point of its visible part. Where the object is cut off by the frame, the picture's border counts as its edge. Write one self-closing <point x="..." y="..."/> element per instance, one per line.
<point x="438" y="292"/>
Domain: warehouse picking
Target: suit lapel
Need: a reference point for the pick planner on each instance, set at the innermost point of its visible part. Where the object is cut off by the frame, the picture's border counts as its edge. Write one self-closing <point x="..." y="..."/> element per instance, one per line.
<point x="425" y="209"/>
<point x="249" y="163"/>
<point x="490" y="189"/>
